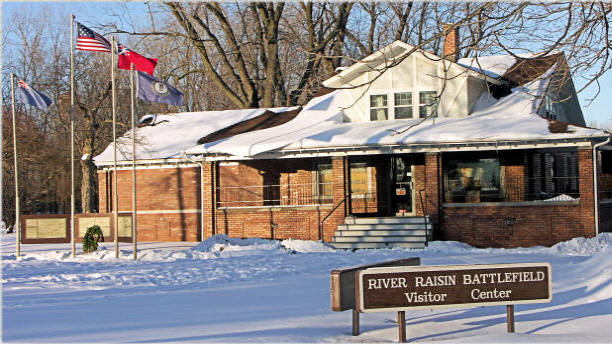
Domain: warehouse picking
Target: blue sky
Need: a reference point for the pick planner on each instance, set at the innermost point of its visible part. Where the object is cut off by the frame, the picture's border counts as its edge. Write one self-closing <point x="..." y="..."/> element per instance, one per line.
<point x="600" y="110"/>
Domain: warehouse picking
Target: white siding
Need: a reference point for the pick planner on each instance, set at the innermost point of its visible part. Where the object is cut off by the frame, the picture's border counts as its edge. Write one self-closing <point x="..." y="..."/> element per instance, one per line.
<point x="415" y="74"/>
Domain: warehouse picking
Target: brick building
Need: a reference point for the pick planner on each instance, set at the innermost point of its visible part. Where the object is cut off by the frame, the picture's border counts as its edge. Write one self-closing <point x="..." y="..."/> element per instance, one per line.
<point x="491" y="152"/>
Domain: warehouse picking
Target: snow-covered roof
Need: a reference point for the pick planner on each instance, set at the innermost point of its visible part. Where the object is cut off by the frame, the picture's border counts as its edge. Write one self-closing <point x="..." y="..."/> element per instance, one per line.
<point x="319" y="125"/>
<point x="320" y="111"/>
<point x="501" y="65"/>
<point x="509" y="118"/>
<point x="494" y="66"/>
<point x="171" y="134"/>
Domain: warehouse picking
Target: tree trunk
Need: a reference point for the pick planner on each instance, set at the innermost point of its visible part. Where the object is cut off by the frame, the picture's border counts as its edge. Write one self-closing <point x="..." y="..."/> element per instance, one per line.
<point x="89" y="194"/>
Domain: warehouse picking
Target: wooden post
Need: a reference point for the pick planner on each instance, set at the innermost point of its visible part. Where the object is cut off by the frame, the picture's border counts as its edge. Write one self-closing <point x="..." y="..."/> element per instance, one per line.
<point x="401" y="325"/>
<point x="355" y="322"/>
<point x="510" y="318"/>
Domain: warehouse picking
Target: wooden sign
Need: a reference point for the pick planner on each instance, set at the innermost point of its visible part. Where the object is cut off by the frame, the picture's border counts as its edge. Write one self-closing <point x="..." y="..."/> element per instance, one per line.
<point x="43" y="229"/>
<point x="404" y="288"/>
<point x="342" y="282"/>
<point x="343" y="286"/>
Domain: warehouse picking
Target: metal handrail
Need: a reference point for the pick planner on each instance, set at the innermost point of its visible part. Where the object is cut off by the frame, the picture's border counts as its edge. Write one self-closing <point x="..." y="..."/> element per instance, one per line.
<point x="329" y="214"/>
<point x="424" y="216"/>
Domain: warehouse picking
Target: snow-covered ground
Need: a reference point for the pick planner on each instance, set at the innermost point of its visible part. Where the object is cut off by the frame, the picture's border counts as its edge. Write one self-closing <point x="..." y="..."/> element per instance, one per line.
<point x="230" y="290"/>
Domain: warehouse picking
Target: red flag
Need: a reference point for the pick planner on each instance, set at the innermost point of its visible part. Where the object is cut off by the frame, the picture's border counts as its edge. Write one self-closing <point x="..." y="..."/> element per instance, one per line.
<point x="141" y="63"/>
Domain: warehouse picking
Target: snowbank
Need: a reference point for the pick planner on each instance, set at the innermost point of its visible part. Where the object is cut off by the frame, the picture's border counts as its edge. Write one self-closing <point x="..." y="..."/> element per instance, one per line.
<point x="256" y="290"/>
<point x="222" y="246"/>
<point x="583" y="246"/>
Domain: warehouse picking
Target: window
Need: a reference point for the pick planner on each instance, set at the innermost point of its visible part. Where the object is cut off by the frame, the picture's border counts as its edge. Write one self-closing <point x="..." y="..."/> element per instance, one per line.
<point x="469" y="179"/>
<point x="428" y="104"/>
<point x="361" y="186"/>
<point x="551" y="174"/>
<point x="323" y="181"/>
<point x="403" y="105"/>
<point x="549" y="108"/>
<point x="378" y="107"/>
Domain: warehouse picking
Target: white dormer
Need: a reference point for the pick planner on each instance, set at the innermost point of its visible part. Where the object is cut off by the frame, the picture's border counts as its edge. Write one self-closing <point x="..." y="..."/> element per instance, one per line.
<point x="402" y="82"/>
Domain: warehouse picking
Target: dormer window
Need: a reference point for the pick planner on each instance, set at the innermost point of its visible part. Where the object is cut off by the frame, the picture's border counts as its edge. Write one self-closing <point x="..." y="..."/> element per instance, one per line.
<point x="428" y="104"/>
<point x="378" y="107"/>
<point x="403" y="105"/>
<point x="549" y="108"/>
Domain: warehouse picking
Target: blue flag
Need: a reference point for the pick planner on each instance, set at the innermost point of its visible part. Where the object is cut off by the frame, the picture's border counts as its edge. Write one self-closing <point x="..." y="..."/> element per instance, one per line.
<point x="154" y="90"/>
<point x="29" y="95"/>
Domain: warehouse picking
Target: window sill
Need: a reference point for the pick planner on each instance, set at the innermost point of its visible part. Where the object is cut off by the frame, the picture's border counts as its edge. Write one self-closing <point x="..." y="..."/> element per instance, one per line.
<point x="510" y="204"/>
<point x="275" y="207"/>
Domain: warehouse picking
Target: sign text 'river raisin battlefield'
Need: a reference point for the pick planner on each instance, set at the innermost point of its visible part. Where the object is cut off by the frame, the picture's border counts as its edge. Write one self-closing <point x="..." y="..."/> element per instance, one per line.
<point x="402" y="288"/>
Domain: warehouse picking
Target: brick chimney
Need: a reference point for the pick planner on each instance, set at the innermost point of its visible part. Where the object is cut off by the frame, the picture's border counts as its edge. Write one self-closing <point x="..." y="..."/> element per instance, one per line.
<point x="451" y="44"/>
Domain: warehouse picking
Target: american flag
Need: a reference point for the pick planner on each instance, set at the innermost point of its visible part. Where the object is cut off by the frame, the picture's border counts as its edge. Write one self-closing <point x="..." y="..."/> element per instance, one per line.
<point x="90" y="40"/>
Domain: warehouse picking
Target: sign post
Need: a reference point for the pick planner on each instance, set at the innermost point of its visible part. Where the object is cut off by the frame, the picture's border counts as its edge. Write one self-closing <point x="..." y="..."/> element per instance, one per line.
<point x="385" y="289"/>
<point x="401" y="326"/>
<point x="343" y="287"/>
<point x="510" y="318"/>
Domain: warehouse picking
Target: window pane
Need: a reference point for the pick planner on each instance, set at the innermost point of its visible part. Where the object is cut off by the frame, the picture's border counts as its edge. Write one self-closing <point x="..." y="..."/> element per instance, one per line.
<point x="359" y="178"/>
<point x="551" y="174"/>
<point x="428" y="104"/>
<point x="472" y="180"/>
<point x="403" y="112"/>
<point x="378" y="114"/>
<point x="428" y="111"/>
<point x="325" y="180"/>
<point x="427" y="98"/>
<point x="403" y="98"/>
<point x="377" y="101"/>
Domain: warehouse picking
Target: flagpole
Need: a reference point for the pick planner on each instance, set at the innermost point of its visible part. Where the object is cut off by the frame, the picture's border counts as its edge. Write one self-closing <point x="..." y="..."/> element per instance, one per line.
<point x="115" y="198"/>
<point x="17" y="210"/>
<point x="72" y="229"/>
<point x="134" y="232"/>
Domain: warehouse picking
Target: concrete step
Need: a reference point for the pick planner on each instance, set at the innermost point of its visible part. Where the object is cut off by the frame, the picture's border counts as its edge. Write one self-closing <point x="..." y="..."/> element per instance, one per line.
<point x="383" y="226"/>
<point x="384" y="239"/>
<point x="385" y="220"/>
<point x="381" y="232"/>
<point x="364" y="245"/>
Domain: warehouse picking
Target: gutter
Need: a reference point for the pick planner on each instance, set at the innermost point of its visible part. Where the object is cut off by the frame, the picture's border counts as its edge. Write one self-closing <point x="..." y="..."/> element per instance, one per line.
<point x="595" y="186"/>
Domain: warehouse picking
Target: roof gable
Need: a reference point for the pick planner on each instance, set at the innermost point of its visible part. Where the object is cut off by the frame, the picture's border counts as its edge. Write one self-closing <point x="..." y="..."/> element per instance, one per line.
<point x="389" y="57"/>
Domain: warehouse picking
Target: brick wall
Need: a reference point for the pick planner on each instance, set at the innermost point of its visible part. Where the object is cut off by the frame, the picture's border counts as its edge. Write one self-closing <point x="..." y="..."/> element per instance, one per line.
<point x="587" y="197"/>
<point x="513" y="226"/>
<point x="168" y="198"/>
<point x="293" y="219"/>
<point x="171" y="205"/>
<point x="273" y="222"/>
<point x="433" y="190"/>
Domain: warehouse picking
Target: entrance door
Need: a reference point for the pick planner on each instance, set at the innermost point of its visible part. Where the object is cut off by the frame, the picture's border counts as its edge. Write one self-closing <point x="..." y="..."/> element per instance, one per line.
<point x="402" y="186"/>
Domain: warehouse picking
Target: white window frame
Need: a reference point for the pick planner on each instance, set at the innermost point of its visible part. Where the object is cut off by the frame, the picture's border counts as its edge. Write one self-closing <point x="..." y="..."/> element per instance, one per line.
<point x="395" y="92"/>
<point x="316" y="179"/>
<point x="419" y="102"/>
<point x="387" y="107"/>
<point x="368" y="172"/>
<point x="416" y="101"/>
